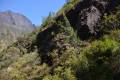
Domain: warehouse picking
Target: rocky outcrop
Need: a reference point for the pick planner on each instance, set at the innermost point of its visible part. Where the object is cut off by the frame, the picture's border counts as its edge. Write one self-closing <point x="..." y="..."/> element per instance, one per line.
<point x="84" y="18"/>
<point x="87" y="15"/>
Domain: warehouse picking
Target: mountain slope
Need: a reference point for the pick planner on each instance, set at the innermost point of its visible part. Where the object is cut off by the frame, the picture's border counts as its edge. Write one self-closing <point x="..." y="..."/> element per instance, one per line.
<point x="80" y="42"/>
<point x="13" y="25"/>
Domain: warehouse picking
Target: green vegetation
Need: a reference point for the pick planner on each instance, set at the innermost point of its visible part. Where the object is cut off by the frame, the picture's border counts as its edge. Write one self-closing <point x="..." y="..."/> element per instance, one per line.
<point x="70" y="5"/>
<point x="55" y="52"/>
<point x="110" y="21"/>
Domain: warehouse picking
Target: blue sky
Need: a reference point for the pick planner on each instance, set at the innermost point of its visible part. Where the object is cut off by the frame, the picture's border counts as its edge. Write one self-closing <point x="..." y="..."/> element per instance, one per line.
<point x="35" y="10"/>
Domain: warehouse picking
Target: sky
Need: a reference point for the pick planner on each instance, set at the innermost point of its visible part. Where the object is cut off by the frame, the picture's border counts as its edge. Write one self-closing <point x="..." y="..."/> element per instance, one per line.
<point x="34" y="10"/>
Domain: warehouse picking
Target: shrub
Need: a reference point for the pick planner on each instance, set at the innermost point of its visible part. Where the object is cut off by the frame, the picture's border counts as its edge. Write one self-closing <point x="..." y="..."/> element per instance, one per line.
<point x="8" y="56"/>
<point x="114" y="35"/>
<point x="96" y="61"/>
<point x="48" y="20"/>
<point x="110" y="21"/>
<point x="61" y="73"/>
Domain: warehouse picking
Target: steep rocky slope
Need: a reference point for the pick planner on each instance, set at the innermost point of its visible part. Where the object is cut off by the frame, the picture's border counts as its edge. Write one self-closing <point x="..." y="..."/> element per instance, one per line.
<point x="80" y="42"/>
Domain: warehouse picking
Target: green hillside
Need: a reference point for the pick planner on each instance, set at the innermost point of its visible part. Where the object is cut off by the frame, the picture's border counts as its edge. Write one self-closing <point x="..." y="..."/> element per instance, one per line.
<point x="80" y="42"/>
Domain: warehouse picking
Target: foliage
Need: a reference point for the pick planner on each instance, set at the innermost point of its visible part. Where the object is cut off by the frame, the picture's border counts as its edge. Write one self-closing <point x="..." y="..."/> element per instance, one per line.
<point x="70" y="5"/>
<point x="99" y="59"/>
<point x="110" y="21"/>
<point x="61" y="74"/>
<point x="48" y="20"/>
<point x="114" y="35"/>
<point x="55" y="52"/>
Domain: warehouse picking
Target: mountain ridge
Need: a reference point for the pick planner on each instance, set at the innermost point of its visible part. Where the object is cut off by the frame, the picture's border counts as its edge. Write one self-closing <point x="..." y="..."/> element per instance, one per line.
<point x="12" y="26"/>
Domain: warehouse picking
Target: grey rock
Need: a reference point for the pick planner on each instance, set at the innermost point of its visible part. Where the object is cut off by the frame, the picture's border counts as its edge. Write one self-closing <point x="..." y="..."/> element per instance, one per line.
<point x="91" y="15"/>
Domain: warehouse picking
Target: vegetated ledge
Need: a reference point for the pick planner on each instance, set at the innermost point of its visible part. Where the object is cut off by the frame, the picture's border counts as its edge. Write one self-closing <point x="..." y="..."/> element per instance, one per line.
<point x="78" y="18"/>
<point x="84" y="16"/>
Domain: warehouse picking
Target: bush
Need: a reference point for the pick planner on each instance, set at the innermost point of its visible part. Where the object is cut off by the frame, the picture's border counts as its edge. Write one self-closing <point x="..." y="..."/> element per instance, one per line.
<point x="110" y="21"/>
<point x="8" y="56"/>
<point x="114" y="35"/>
<point x="61" y="73"/>
<point x="96" y="61"/>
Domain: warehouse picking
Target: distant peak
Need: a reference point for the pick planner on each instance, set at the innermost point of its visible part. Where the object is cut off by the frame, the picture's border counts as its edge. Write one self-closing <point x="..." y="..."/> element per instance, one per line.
<point x="8" y="11"/>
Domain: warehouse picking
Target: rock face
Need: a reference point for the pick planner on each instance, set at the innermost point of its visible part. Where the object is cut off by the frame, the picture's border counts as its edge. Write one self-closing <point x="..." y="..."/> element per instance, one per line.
<point x="88" y="13"/>
<point x="84" y="19"/>
<point x="90" y="16"/>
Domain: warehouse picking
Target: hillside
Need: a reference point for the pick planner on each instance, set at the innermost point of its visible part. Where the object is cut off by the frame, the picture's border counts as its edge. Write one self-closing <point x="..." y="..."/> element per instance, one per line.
<point x="80" y="42"/>
<point x="12" y="26"/>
